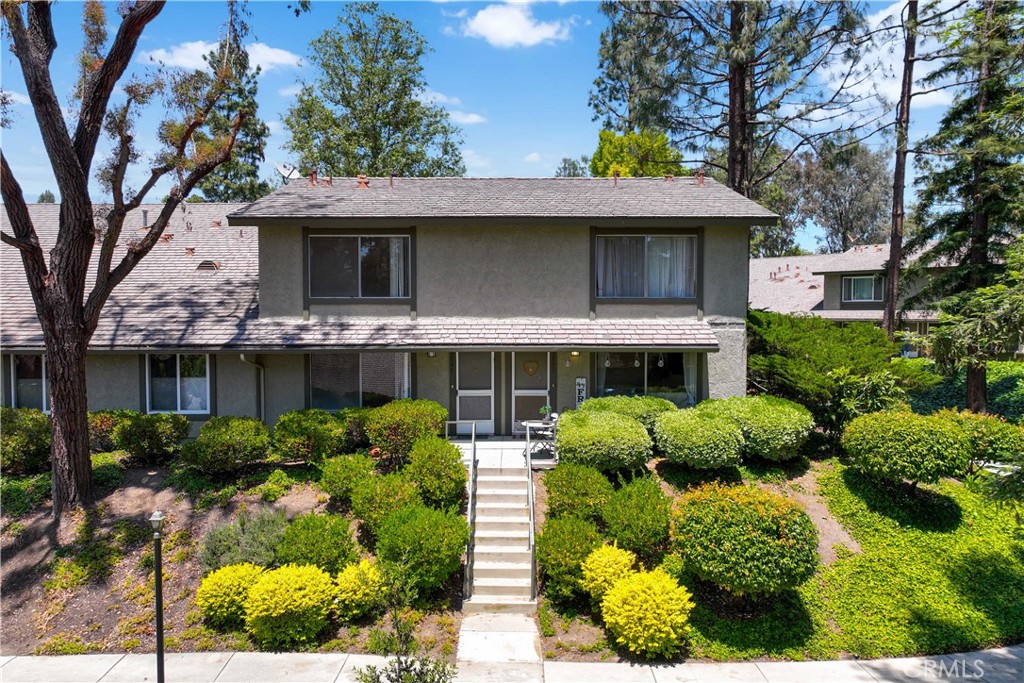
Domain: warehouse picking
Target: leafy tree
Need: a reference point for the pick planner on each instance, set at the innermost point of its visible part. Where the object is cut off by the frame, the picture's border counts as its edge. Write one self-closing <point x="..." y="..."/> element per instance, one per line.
<point x="362" y="114"/>
<point x="46" y="197"/>
<point x="68" y="311"/>
<point x="635" y="155"/>
<point x="238" y="179"/>
<point x="573" y="168"/>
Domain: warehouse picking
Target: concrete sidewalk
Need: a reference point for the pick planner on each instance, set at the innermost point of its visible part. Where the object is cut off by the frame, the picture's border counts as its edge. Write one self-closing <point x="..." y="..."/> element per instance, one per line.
<point x="1005" y="665"/>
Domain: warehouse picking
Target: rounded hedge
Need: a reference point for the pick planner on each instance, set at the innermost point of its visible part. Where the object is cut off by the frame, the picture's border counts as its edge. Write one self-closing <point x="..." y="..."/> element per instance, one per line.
<point x="643" y="409"/>
<point x="361" y="590"/>
<point x="252" y="538"/>
<point x="773" y="428"/>
<point x="310" y="435"/>
<point x="339" y="476"/>
<point x="376" y="497"/>
<point x="992" y="438"/>
<point x="577" y="490"/>
<point x="151" y="438"/>
<point x="222" y="594"/>
<point x="702" y="440"/>
<point x="906" y="446"/>
<point x="25" y="437"/>
<point x="744" y="539"/>
<point x="603" y="567"/>
<point x="602" y="439"/>
<point x="562" y="545"/>
<point x="424" y="543"/>
<point x="227" y="444"/>
<point x="289" y="606"/>
<point x="321" y="540"/>
<point x="648" y="613"/>
<point x="101" y="428"/>
<point x="435" y="466"/>
<point x="637" y="517"/>
<point x="396" y="426"/>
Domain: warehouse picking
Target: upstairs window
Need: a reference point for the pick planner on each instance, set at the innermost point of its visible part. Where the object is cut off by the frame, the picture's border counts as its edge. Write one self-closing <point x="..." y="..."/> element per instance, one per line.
<point x="863" y="288"/>
<point x="28" y="388"/>
<point x="358" y="267"/>
<point x="178" y="383"/>
<point x="646" y="266"/>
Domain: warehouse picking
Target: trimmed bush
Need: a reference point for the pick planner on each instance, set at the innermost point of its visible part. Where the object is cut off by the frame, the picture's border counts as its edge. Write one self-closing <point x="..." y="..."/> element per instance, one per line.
<point x="577" y="490"/>
<point x="602" y="439"/>
<point x="355" y="432"/>
<point x="435" y="466"/>
<point x="992" y="438"/>
<point x="310" y="436"/>
<point x="361" y="590"/>
<point x="604" y="567"/>
<point x="773" y="428"/>
<point x="648" y="614"/>
<point x="340" y="475"/>
<point x="321" y="540"/>
<point x="377" y="497"/>
<point x="637" y="517"/>
<point x="250" y="538"/>
<point x="699" y="439"/>
<point x="101" y="428"/>
<point x="906" y="446"/>
<point x="643" y="409"/>
<point x="151" y="438"/>
<point x="289" y="606"/>
<point x="25" y="437"/>
<point x="227" y="444"/>
<point x="396" y="426"/>
<point x="222" y="594"/>
<point x="425" y="544"/>
<point x="562" y="545"/>
<point x="744" y="539"/>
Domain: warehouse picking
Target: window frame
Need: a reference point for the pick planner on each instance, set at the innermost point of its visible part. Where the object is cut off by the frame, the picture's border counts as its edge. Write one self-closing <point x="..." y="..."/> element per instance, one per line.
<point x="878" y="289"/>
<point x="410" y="270"/>
<point x="407" y="375"/>
<point x="694" y="358"/>
<point x="647" y="234"/>
<point x="177" y="385"/>
<point x="14" y="381"/>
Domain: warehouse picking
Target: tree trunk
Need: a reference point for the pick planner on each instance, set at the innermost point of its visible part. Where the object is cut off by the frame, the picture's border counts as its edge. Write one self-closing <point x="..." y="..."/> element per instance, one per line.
<point x="737" y="171"/>
<point x="977" y="392"/>
<point x="65" y="369"/>
<point x="892" y="269"/>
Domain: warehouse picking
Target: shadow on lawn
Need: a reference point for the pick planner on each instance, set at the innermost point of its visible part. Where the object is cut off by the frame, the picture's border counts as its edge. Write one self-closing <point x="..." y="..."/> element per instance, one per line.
<point x="683" y="477"/>
<point x="772" y="625"/>
<point x="918" y="508"/>
<point x="993" y="582"/>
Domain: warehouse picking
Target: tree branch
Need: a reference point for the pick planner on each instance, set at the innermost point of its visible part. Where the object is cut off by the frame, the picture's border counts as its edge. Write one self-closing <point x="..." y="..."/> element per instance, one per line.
<point x="25" y="237"/>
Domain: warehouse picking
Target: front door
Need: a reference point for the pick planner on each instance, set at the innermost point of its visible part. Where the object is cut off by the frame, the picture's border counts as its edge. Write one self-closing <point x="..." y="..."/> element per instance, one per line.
<point x="474" y="391"/>
<point x="531" y="382"/>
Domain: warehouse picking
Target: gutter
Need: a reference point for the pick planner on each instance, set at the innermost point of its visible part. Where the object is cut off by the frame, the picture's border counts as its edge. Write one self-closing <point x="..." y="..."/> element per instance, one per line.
<point x="261" y="384"/>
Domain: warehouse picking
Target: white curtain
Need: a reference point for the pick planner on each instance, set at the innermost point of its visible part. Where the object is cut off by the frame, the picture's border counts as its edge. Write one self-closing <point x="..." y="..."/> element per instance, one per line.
<point x="690" y="376"/>
<point x="670" y="267"/>
<point x="397" y="245"/>
<point x="620" y="267"/>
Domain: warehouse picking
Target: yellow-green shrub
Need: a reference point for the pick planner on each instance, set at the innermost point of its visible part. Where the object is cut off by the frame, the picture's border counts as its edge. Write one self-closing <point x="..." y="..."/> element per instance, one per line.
<point x="604" y="567"/>
<point x="361" y="590"/>
<point x="648" y="613"/>
<point x="289" y="606"/>
<point x="222" y="594"/>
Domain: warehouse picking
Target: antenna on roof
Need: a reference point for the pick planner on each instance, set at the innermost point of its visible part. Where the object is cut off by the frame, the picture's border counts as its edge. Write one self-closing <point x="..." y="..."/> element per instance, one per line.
<point x="288" y="173"/>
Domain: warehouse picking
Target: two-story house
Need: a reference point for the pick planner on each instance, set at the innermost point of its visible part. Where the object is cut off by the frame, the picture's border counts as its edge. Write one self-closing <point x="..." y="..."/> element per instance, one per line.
<point x="492" y="296"/>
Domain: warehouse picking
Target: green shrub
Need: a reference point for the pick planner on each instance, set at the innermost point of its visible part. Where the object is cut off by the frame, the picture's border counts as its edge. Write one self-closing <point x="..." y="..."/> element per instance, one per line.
<point x="396" y="426"/>
<point x="992" y="438"/>
<point x="277" y="484"/>
<point x="340" y="475"/>
<point x="222" y="594"/>
<point x="744" y="539"/>
<point x="425" y="544"/>
<point x="648" y="613"/>
<point x="576" y="490"/>
<point x="361" y="590"/>
<point x="699" y="439"/>
<point x="603" y="568"/>
<point x="435" y="466"/>
<point x="906" y="446"/>
<point x="25" y="437"/>
<point x="107" y="470"/>
<point x="376" y="497"/>
<point x="252" y="538"/>
<point x="21" y="495"/>
<point x="856" y="395"/>
<point x="602" y="439"/>
<point x="289" y="606"/>
<point x="643" y="409"/>
<point x="151" y="438"/>
<point x="310" y="436"/>
<point x="321" y="540"/>
<point x="562" y="545"/>
<point x="355" y="432"/>
<point x="637" y="517"/>
<point x="773" y="428"/>
<point x="227" y="444"/>
<point x="101" y="428"/>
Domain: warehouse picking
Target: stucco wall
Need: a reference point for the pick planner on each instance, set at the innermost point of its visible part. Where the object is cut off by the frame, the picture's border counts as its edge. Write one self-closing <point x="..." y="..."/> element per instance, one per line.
<point x="727" y="369"/>
<point x="281" y="283"/>
<point x="114" y="381"/>
<point x="726" y="272"/>
<point x="286" y="384"/>
<point x="578" y="367"/>
<point x="237" y="392"/>
<point x="433" y="379"/>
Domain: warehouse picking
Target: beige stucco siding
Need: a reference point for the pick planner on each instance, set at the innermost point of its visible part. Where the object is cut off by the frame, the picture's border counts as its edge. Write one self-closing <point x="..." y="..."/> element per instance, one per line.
<point x="114" y="381"/>
<point x="433" y="378"/>
<point x="727" y="370"/>
<point x="726" y="272"/>
<point x="286" y="384"/>
<point x="566" y="378"/>
<point x="237" y="392"/>
<point x="281" y="283"/>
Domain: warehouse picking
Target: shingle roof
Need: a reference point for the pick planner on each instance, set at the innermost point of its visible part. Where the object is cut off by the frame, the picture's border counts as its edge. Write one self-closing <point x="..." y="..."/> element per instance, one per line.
<point x="507" y="197"/>
<point x="786" y="284"/>
<point x="859" y="259"/>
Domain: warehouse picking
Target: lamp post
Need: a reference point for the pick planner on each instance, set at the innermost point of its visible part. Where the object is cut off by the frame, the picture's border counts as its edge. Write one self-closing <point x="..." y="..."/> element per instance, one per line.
<point x="157" y="521"/>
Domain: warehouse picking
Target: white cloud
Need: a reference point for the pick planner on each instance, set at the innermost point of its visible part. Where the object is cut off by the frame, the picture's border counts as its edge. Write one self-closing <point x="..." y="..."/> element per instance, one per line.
<point x="189" y="55"/>
<point x="477" y="164"/>
<point x="513" y="25"/>
<point x="275" y="127"/>
<point x="466" y="118"/>
<point x="532" y="158"/>
<point x="433" y="97"/>
<point x="290" y="91"/>
<point x="449" y="31"/>
<point x="18" y="98"/>
<point x="461" y="14"/>
<point x="269" y="58"/>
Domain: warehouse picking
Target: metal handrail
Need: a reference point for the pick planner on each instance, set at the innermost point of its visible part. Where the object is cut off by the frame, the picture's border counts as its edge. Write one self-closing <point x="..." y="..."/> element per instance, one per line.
<point x="529" y="499"/>
<point x="467" y="579"/>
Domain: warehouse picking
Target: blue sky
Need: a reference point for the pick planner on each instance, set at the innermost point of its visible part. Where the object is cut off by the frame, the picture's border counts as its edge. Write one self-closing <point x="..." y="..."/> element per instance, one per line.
<point x="514" y="76"/>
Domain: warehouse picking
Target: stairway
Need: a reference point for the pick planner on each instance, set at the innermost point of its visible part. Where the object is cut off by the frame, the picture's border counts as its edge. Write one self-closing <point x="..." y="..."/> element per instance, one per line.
<point x="501" y="561"/>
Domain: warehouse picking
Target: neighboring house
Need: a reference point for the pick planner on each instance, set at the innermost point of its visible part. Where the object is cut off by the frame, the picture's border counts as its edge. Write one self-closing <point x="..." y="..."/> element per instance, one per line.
<point x="493" y="297"/>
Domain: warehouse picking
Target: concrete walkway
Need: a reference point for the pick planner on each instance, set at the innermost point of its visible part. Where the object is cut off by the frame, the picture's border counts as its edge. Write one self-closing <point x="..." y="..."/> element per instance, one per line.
<point x="1005" y="665"/>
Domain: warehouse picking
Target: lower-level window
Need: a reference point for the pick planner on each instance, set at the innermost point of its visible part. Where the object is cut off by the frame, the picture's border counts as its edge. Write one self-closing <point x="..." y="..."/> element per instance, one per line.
<point x="28" y="388"/>
<point x="178" y="383"/>
<point x="669" y="375"/>
<point x="349" y="380"/>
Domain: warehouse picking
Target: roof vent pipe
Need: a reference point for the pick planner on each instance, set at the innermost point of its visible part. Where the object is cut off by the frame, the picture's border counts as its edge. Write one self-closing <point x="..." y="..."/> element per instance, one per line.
<point x="364" y="182"/>
<point x="615" y="178"/>
<point x="312" y="178"/>
<point x="700" y="177"/>
<point x="669" y="178"/>
<point x="391" y="179"/>
<point x="145" y="218"/>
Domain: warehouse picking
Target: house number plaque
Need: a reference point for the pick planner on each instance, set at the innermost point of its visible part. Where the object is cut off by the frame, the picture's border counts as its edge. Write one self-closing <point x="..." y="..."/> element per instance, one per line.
<point x="581" y="390"/>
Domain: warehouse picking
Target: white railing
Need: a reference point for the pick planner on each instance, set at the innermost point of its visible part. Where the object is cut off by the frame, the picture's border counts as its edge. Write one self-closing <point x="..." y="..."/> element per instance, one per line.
<point x="467" y="578"/>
